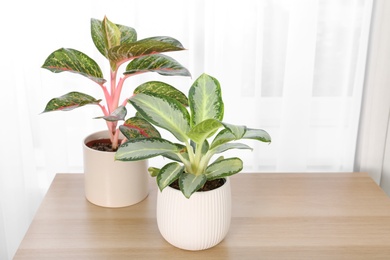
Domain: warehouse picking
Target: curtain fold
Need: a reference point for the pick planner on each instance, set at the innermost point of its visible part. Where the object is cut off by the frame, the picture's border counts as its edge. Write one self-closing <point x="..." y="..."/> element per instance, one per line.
<point x="373" y="146"/>
<point x="293" y="68"/>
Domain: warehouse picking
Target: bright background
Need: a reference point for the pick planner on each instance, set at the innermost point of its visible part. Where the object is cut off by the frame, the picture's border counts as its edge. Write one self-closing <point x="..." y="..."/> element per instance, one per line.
<point x="294" y="68"/>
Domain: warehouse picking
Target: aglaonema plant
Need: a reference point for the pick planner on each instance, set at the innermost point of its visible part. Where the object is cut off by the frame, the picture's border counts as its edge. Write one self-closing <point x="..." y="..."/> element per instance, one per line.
<point x="119" y="45"/>
<point x="200" y="131"/>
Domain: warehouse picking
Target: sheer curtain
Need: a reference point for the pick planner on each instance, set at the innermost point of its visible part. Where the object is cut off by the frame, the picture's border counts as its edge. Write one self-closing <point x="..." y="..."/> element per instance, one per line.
<point x="373" y="151"/>
<point x="294" y="68"/>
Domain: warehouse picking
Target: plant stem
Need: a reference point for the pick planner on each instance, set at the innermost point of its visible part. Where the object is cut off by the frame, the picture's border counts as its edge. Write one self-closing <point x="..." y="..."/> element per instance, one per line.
<point x="115" y="142"/>
<point x="198" y="157"/>
<point x="104" y="110"/>
<point x="107" y="97"/>
<point x="191" y="156"/>
<point x="112" y="103"/>
<point x="186" y="163"/>
<point x="113" y="90"/>
<point x="205" y="161"/>
<point x="117" y="92"/>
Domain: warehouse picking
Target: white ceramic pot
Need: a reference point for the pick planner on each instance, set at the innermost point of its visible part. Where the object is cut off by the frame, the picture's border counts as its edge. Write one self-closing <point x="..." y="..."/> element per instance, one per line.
<point x="110" y="183"/>
<point x="197" y="223"/>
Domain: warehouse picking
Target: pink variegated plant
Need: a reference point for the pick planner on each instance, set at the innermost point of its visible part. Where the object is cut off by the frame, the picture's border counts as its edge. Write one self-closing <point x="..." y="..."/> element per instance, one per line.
<point x="119" y="45"/>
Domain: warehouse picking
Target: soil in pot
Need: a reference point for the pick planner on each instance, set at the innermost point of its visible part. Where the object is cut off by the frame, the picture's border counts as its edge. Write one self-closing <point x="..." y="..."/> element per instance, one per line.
<point x="101" y="145"/>
<point x="209" y="185"/>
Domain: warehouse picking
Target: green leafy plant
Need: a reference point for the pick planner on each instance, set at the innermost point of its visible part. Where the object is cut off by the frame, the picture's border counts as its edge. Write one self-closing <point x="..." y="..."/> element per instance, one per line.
<point x="200" y="131"/>
<point x="119" y="45"/>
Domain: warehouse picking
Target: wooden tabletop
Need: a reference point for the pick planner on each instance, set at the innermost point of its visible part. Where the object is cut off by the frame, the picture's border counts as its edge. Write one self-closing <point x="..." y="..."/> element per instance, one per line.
<point x="275" y="216"/>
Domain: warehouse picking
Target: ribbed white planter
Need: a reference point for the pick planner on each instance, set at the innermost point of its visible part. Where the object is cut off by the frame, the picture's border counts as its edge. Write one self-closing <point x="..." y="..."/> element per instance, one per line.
<point x="197" y="223"/>
<point x="110" y="183"/>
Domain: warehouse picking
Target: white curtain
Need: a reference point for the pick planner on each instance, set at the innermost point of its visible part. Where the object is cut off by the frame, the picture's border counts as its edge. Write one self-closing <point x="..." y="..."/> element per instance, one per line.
<point x="293" y="68"/>
<point x="373" y="151"/>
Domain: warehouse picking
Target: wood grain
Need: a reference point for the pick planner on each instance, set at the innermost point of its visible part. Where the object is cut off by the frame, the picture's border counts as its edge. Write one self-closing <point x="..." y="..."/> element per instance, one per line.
<point x="275" y="216"/>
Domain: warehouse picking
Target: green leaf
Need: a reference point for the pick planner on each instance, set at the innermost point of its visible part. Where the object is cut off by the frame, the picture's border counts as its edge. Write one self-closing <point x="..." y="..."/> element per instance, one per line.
<point x="205" y="147"/>
<point x="98" y="36"/>
<point x="168" y="174"/>
<point x="223" y="168"/>
<point x="220" y="158"/>
<point x="226" y="136"/>
<point x="205" y="100"/>
<point x="153" y="171"/>
<point x="164" y="112"/>
<point x="222" y="137"/>
<point x="116" y="115"/>
<point x="153" y="45"/>
<point x="70" y="101"/>
<point x="203" y="130"/>
<point x="130" y="133"/>
<point x="257" y="134"/>
<point x="159" y="63"/>
<point x="173" y="156"/>
<point x="136" y="127"/>
<point x="237" y="130"/>
<point x="144" y="148"/>
<point x="127" y="35"/>
<point x="190" y="183"/>
<point x="74" y="61"/>
<point x="161" y="88"/>
<point x="227" y="146"/>
<point x="112" y="35"/>
<point x="165" y="39"/>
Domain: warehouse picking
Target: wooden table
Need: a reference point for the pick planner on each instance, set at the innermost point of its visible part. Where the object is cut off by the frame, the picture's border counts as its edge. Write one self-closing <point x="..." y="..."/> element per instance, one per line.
<point x="275" y="216"/>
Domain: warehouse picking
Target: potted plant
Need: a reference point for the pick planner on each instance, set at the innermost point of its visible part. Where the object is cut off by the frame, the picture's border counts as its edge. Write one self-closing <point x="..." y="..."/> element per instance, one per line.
<point x="201" y="218"/>
<point x="109" y="183"/>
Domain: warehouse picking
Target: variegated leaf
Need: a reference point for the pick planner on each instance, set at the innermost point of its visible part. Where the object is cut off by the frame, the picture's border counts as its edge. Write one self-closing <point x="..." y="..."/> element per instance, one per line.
<point x="205" y="100"/>
<point x="227" y="146"/>
<point x="222" y="137"/>
<point x="173" y="156"/>
<point x="226" y="136"/>
<point x="136" y="127"/>
<point x="130" y="133"/>
<point x="153" y="45"/>
<point x="153" y="171"/>
<point x="165" y="39"/>
<point x="205" y="147"/>
<point x="257" y="134"/>
<point x="161" y="88"/>
<point x="98" y="36"/>
<point x="168" y="174"/>
<point x="237" y="130"/>
<point x="162" y="64"/>
<point x="144" y="148"/>
<point x="220" y="158"/>
<point x="164" y="112"/>
<point x="112" y="34"/>
<point x="203" y="130"/>
<point x="128" y="35"/>
<point x="70" y="101"/>
<point x="223" y="168"/>
<point x="118" y="114"/>
<point x="190" y="183"/>
<point x="74" y="61"/>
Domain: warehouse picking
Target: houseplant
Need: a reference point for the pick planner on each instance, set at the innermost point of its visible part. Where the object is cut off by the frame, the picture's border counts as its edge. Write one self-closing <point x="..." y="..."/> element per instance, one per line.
<point x="119" y="45"/>
<point x="202" y="135"/>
